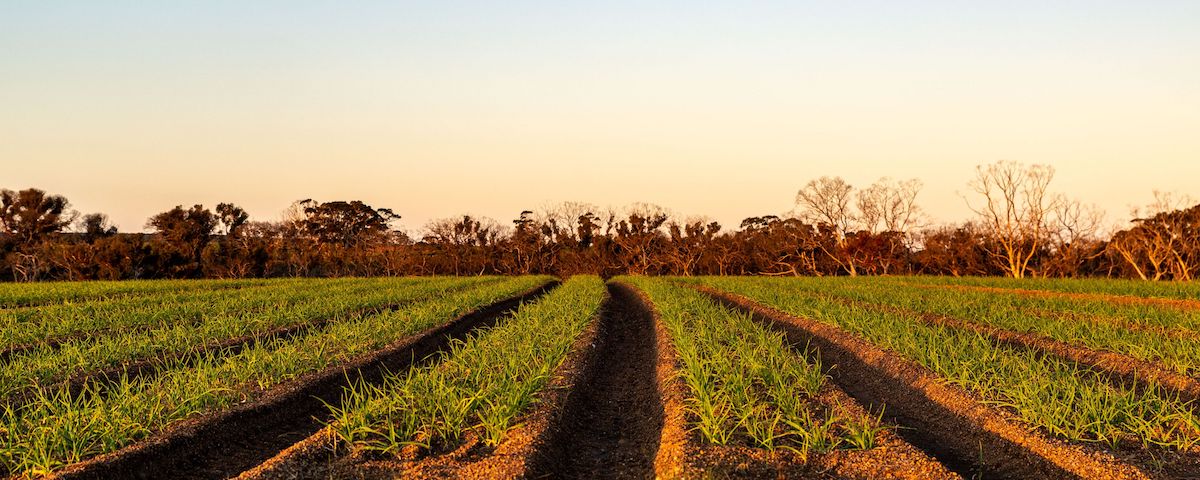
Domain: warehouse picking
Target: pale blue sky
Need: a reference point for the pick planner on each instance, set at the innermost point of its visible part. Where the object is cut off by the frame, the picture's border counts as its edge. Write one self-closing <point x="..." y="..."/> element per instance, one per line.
<point x="440" y="108"/>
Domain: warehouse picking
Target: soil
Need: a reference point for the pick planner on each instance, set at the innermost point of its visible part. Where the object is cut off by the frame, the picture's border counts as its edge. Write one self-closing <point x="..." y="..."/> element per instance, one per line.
<point x="226" y="443"/>
<point x="601" y="417"/>
<point x="615" y="409"/>
<point x="612" y="421"/>
<point x="943" y="420"/>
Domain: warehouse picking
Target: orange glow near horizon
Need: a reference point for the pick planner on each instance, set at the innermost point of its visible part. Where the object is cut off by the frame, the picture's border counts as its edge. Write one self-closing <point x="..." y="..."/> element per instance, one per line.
<point x="475" y="108"/>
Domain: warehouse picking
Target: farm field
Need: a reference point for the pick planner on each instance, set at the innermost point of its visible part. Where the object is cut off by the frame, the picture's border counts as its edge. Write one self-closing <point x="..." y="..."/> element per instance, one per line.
<point x="634" y="377"/>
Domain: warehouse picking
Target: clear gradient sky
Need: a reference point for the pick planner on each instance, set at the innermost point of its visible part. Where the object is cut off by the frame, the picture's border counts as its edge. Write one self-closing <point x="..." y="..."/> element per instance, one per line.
<point x="446" y="107"/>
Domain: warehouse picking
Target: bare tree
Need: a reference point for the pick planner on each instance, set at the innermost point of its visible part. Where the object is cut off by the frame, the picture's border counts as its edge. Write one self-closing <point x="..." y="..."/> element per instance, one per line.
<point x="1014" y="210"/>
<point x="1074" y="235"/>
<point x="564" y="218"/>
<point x="690" y="242"/>
<point x="827" y="200"/>
<point x="465" y="241"/>
<point x="640" y="236"/>
<point x="1162" y="240"/>
<point x="889" y="205"/>
<point x="465" y="230"/>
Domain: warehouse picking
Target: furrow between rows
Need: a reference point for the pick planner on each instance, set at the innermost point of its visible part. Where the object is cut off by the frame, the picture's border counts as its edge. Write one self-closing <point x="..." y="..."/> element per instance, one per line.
<point x="1122" y="370"/>
<point x="225" y="443"/>
<point x="943" y="420"/>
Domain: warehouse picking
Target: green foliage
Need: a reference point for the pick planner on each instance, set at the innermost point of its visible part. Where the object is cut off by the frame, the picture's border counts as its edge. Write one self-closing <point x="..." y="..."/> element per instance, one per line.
<point x="194" y="323"/>
<point x="1055" y="395"/>
<point x="482" y="384"/>
<point x="746" y="384"/>
<point x="1108" y="286"/>
<point x="1134" y="330"/>
<point x="58" y="429"/>
<point x="47" y="294"/>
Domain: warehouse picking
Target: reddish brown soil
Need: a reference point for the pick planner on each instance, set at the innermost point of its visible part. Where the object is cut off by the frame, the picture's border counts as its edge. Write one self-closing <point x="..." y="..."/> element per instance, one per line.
<point x="891" y="458"/>
<point x="226" y="443"/>
<point x="1177" y="303"/>
<point x="612" y="421"/>
<point x="675" y="440"/>
<point x="942" y="419"/>
<point x="1121" y="369"/>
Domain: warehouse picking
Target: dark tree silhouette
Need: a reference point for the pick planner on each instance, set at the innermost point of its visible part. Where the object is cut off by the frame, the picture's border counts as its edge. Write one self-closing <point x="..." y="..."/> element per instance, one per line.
<point x="181" y="236"/>
<point x="347" y="223"/>
<point x="841" y="232"/>
<point x="232" y="217"/>
<point x="95" y="226"/>
<point x="28" y="216"/>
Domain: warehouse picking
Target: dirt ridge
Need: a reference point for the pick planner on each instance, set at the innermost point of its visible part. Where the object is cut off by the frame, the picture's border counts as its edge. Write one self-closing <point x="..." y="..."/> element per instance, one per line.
<point x="544" y="444"/>
<point x="943" y="420"/>
<point x="611" y="422"/>
<point x="226" y="443"/>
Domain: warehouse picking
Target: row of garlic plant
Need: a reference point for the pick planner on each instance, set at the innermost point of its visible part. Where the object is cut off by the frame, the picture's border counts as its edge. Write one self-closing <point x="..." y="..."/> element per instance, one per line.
<point x="1099" y="286"/>
<point x="1080" y="322"/>
<point x="747" y="385"/>
<point x="38" y="324"/>
<point x="481" y="386"/>
<point x="297" y="305"/>
<point x="57" y="429"/>
<point x="17" y="295"/>
<point x="1060" y="397"/>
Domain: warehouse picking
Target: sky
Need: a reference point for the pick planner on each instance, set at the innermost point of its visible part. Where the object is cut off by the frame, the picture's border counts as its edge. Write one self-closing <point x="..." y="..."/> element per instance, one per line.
<point x="725" y="109"/>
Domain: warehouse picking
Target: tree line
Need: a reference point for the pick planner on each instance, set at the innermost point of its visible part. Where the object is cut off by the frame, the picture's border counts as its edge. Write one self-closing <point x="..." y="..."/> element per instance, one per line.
<point x="1020" y="229"/>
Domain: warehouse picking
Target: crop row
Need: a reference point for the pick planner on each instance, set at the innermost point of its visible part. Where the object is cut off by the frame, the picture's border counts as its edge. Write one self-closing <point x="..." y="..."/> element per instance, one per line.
<point x="746" y="390"/>
<point x="1097" y="286"/>
<point x="15" y="295"/>
<point x="479" y="387"/>
<point x="1055" y="395"/>
<point x="1066" y="320"/>
<point x="66" y="321"/>
<point x="747" y="386"/>
<point x="58" y="428"/>
<point x="280" y="308"/>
